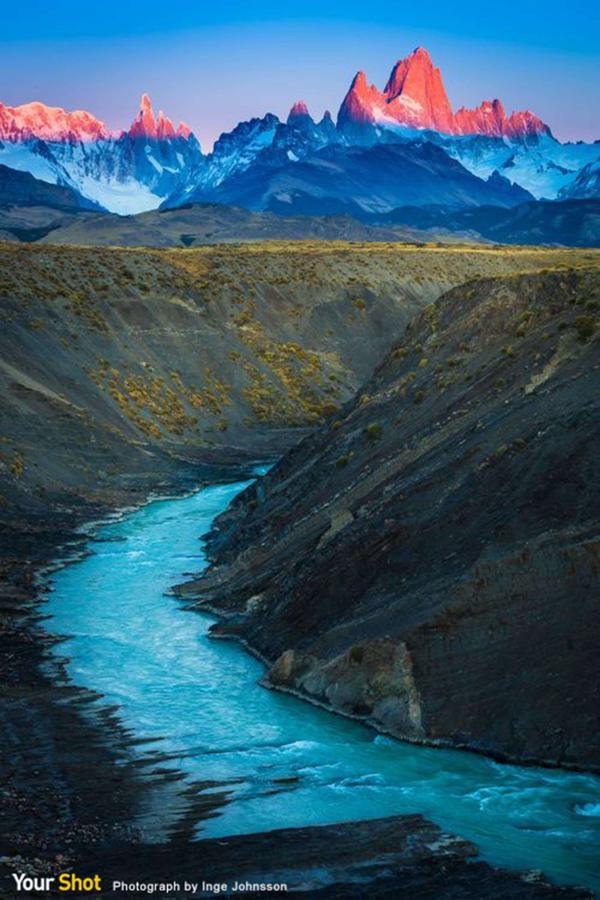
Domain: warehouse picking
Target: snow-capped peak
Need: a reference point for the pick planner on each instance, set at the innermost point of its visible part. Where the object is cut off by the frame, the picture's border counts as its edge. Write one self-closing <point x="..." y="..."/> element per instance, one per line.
<point x="35" y="120"/>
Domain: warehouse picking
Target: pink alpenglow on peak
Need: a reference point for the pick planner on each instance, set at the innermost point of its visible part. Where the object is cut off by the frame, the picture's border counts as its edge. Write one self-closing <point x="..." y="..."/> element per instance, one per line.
<point x="490" y="119"/>
<point x="164" y="126"/>
<point x="36" y="121"/>
<point x="145" y="125"/>
<point x="298" y="110"/>
<point x="362" y="103"/>
<point x="33" y="121"/>
<point x="526" y="123"/>
<point x="414" y="97"/>
<point x="415" y="93"/>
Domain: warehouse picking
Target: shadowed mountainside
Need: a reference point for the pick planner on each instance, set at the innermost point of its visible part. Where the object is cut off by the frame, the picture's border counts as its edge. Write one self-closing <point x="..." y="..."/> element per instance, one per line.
<point x="22" y="189"/>
<point x="34" y="210"/>
<point x="357" y="179"/>
<point x="427" y="561"/>
<point x="31" y="208"/>
<point x="575" y="223"/>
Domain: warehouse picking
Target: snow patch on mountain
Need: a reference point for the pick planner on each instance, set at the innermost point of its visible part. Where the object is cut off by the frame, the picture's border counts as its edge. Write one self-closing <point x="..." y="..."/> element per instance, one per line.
<point x="23" y="158"/>
<point x="587" y="183"/>
<point x="126" y="173"/>
<point x="126" y="197"/>
<point x="542" y="166"/>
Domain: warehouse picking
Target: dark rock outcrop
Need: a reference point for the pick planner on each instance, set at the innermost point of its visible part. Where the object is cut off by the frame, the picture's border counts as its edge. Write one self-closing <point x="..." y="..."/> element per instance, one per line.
<point x="428" y="561"/>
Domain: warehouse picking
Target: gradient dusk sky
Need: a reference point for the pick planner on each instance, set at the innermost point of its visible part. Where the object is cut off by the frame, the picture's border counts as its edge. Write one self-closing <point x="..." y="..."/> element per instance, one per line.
<point x="213" y="65"/>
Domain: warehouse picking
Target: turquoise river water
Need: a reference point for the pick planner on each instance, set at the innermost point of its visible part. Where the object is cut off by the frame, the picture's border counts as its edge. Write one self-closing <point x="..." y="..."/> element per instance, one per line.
<point x="136" y="645"/>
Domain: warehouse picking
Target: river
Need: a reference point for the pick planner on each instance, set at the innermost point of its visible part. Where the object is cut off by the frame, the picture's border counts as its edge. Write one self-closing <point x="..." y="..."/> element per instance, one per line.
<point x="291" y="764"/>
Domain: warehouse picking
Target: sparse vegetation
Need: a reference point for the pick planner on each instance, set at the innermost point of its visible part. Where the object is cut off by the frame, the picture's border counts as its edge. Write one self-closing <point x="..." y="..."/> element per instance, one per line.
<point x="357" y="654"/>
<point x="374" y="430"/>
<point x="585" y="326"/>
<point x="187" y="347"/>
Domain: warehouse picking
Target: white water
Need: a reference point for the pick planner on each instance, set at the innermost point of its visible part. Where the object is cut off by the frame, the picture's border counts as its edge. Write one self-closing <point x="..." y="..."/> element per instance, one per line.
<point x="152" y="658"/>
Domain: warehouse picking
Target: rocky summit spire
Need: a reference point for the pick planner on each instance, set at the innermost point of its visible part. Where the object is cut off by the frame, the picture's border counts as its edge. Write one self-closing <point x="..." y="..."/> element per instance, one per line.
<point x="298" y="111"/>
<point x="164" y="126"/>
<point x="415" y="98"/>
<point x="144" y="124"/>
<point x="184" y="131"/>
<point x="415" y="93"/>
<point x="161" y="128"/>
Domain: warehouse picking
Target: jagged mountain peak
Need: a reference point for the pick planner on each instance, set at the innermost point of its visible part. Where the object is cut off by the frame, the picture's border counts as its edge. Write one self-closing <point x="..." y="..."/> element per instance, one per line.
<point x="490" y="118"/>
<point x="359" y="82"/>
<point x="417" y="61"/>
<point x="155" y="161"/>
<point x="414" y="97"/>
<point x="38" y="121"/>
<point x="146" y="125"/>
<point x="184" y="130"/>
<point x="415" y="93"/>
<point x="298" y="111"/>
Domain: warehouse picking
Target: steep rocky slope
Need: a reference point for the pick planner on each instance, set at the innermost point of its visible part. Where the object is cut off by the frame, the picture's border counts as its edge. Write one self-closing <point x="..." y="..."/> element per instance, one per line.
<point x="428" y="559"/>
<point x="119" y="365"/>
<point x="587" y="183"/>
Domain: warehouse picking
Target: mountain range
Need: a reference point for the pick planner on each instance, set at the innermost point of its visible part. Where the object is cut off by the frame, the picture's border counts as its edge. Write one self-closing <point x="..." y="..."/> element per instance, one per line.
<point x="415" y="97"/>
<point x="125" y="172"/>
<point x="403" y="145"/>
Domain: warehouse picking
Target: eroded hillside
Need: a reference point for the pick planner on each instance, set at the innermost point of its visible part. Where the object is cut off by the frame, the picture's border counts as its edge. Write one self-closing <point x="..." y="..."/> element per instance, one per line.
<point x="428" y="560"/>
<point x="121" y="365"/>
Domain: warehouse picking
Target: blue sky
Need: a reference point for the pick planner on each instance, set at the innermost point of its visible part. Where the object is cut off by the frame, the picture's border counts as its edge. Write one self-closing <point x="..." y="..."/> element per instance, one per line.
<point x="213" y="65"/>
